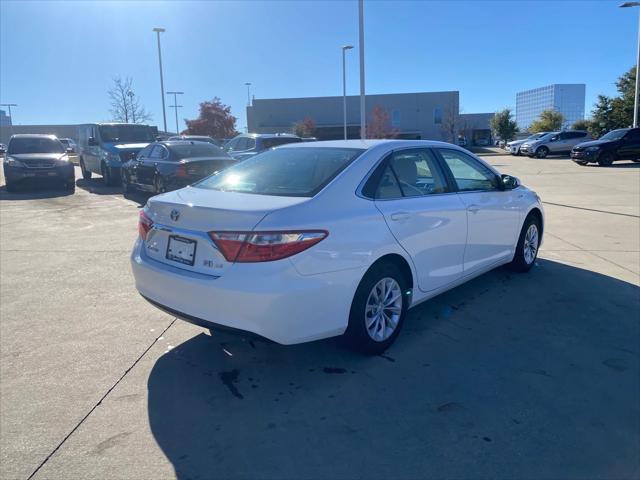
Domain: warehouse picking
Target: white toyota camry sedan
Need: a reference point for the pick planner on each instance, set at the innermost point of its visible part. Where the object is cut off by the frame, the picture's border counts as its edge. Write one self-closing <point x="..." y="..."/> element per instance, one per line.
<point x="313" y="240"/>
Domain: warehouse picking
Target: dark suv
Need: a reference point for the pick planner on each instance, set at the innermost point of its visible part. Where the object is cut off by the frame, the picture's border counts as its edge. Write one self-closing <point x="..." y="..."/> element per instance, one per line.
<point x="621" y="144"/>
<point x="249" y="144"/>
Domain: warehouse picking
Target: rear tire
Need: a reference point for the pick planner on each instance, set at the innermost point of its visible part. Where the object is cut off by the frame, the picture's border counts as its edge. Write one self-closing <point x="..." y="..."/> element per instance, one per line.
<point x="542" y="152"/>
<point x="70" y="187"/>
<point x="107" y="176"/>
<point x="528" y="245"/>
<point x="605" y="159"/>
<point x="86" y="174"/>
<point x="378" y="310"/>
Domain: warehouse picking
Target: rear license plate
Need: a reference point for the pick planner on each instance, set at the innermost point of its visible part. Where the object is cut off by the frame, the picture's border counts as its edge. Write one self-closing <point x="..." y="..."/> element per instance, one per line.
<point x="181" y="250"/>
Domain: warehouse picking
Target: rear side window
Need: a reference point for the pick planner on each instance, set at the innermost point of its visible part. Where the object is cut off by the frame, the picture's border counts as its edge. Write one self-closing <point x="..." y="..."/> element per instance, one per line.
<point x="274" y="142"/>
<point x="633" y="135"/>
<point x="20" y="145"/>
<point x="468" y="173"/>
<point x="197" y="149"/>
<point x="287" y="172"/>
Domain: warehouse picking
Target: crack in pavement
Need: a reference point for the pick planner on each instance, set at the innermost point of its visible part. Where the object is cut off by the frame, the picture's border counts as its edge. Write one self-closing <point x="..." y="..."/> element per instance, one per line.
<point x="101" y="400"/>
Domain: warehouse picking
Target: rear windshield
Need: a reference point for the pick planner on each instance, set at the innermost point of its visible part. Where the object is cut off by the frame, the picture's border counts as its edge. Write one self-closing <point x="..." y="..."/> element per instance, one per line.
<point x="35" y="145"/>
<point x="197" y="149"/>
<point x="287" y="172"/>
<point x="274" y="142"/>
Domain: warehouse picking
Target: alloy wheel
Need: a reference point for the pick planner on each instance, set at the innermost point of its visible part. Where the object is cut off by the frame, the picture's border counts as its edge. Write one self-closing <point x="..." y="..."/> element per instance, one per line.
<point x="383" y="309"/>
<point x="531" y="244"/>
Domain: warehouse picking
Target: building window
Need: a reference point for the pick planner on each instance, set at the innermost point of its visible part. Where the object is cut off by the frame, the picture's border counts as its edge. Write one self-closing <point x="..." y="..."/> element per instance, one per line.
<point x="437" y="115"/>
<point x="395" y="118"/>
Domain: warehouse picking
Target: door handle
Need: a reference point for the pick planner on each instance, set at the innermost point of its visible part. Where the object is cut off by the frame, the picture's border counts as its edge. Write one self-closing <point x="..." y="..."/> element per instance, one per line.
<point x="400" y="216"/>
<point x="473" y="208"/>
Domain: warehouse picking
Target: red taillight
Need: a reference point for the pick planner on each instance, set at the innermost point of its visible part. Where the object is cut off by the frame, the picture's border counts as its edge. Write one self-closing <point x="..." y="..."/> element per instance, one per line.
<point x="247" y="247"/>
<point x="144" y="224"/>
<point x="181" y="171"/>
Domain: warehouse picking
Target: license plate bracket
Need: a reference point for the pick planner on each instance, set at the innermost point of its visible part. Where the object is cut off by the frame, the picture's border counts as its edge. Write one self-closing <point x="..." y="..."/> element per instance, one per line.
<point x="181" y="250"/>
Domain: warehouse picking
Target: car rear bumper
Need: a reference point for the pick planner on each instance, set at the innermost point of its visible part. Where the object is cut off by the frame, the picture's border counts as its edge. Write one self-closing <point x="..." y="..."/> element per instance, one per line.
<point x="269" y="299"/>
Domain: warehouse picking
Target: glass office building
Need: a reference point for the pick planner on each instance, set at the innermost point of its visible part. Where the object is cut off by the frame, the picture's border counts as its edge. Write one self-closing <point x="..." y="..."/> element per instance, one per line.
<point x="566" y="98"/>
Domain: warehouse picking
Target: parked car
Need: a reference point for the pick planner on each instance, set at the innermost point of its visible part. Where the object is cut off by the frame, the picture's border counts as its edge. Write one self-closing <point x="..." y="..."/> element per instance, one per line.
<point x="69" y="144"/>
<point x="621" y="144"/>
<point x="247" y="145"/>
<point x="32" y="156"/>
<point x="196" y="138"/>
<point x="165" y="166"/>
<point x="482" y="142"/>
<point x="104" y="147"/>
<point x="513" y="147"/>
<point x="313" y="240"/>
<point x="554" y="143"/>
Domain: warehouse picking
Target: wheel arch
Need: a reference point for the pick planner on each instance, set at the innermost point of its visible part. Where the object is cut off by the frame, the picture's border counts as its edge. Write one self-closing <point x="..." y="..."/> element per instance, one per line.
<point x="535" y="211"/>
<point x="400" y="262"/>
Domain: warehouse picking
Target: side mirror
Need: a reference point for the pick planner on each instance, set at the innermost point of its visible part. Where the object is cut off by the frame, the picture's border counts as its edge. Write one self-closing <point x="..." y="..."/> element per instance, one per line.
<point x="509" y="182"/>
<point x="92" y="142"/>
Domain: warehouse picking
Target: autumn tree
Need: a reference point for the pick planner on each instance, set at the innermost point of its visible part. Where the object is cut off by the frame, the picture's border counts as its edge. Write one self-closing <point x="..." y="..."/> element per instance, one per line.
<point x="215" y="120"/>
<point x="379" y="125"/>
<point x="503" y="125"/>
<point x="125" y="104"/>
<point x="548" y="121"/>
<point x="305" y="128"/>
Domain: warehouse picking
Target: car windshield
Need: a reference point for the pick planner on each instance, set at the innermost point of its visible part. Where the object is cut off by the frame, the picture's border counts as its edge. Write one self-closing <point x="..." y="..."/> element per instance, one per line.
<point x="288" y="172"/>
<point x="614" y="134"/>
<point x="536" y="136"/>
<point x="35" y="145"/>
<point x="197" y="149"/>
<point x="126" y="133"/>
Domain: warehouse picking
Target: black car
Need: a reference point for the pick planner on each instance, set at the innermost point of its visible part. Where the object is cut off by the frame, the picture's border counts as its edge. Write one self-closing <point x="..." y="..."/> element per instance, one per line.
<point x="169" y="165"/>
<point x="621" y="144"/>
<point x="37" y="157"/>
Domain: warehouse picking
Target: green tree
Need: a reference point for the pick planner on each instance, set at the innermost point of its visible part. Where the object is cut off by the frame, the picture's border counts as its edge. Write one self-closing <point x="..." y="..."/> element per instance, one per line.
<point x="582" y="125"/>
<point x="548" y="121"/>
<point x="503" y="125"/>
<point x="610" y="113"/>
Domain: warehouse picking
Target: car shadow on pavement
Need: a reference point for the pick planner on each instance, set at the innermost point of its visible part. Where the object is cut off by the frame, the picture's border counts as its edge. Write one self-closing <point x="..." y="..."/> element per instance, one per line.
<point x="98" y="187"/>
<point x="509" y="375"/>
<point x="34" y="192"/>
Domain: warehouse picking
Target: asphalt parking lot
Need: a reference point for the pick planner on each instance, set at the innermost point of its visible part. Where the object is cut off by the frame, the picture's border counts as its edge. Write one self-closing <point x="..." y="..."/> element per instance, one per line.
<point x="508" y="376"/>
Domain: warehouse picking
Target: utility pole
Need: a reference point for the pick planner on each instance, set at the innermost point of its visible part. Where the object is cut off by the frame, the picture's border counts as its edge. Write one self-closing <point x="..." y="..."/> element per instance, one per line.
<point x="363" y="120"/>
<point x="159" y="30"/>
<point x="248" y="84"/>
<point x="130" y="94"/>
<point x="176" y="106"/>
<point x="344" y="89"/>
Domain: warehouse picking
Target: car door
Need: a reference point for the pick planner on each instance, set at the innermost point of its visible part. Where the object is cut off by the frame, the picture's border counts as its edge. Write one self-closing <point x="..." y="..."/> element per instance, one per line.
<point x="147" y="167"/>
<point x="425" y="217"/>
<point x="137" y="162"/>
<point x="629" y="148"/>
<point x="560" y="144"/>
<point x="493" y="214"/>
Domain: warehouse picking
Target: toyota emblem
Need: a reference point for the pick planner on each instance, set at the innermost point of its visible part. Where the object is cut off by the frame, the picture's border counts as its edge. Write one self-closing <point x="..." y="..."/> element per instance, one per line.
<point x="175" y="215"/>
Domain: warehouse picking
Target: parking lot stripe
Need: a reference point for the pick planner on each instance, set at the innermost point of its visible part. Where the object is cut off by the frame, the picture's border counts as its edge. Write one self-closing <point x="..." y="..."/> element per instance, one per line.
<point x="592" y="210"/>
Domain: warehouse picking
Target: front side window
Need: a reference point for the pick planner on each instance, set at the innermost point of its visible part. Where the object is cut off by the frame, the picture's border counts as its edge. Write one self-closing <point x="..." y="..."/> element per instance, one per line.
<point x="287" y="172"/>
<point x="20" y="145"/>
<point x="468" y="173"/>
<point x="157" y="152"/>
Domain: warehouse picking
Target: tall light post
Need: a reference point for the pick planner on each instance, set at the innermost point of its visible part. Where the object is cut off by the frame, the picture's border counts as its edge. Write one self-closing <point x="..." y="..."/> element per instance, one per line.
<point x="344" y="88"/>
<point x="158" y="31"/>
<point x="363" y="124"/>
<point x="130" y="94"/>
<point x="9" y="105"/>
<point x="635" y="103"/>
<point x="176" y="106"/>
<point x="248" y="85"/>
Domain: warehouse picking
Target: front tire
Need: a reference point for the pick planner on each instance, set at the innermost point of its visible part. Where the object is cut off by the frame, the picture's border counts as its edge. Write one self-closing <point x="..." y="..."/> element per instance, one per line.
<point x="378" y="310"/>
<point x="542" y="152"/>
<point x="605" y="159"/>
<point x="86" y="174"/>
<point x="528" y="245"/>
<point x="582" y="164"/>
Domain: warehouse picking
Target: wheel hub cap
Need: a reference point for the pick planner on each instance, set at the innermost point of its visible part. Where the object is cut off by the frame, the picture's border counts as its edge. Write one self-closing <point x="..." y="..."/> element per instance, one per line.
<point x="383" y="309"/>
<point x="531" y="244"/>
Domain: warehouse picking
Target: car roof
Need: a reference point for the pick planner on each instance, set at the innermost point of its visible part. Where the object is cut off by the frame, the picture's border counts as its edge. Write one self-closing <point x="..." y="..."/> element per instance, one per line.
<point x="269" y="135"/>
<point x="171" y="143"/>
<point x="367" y="144"/>
<point x="34" y="135"/>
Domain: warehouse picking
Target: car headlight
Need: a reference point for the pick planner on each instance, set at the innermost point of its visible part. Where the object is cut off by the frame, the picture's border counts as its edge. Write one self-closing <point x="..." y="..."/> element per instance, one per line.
<point x="63" y="160"/>
<point x="12" y="162"/>
<point x="112" y="157"/>
<point x="592" y="149"/>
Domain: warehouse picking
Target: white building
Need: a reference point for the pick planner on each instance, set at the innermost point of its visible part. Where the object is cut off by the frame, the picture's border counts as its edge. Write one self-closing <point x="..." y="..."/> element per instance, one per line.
<point x="566" y="98"/>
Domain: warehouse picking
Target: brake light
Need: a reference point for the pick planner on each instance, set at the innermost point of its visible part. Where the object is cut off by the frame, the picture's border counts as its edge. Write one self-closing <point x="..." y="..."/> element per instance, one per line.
<point x="181" y="171"/>
<point x="144" y="224"/>
<point x="246" y="247"/>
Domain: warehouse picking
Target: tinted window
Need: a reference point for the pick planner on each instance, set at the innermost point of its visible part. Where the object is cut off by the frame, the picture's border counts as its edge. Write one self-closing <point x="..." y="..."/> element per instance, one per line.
<point x="633" y="135"/>
<point x="250" y="143"/>
<point x="197" y="149"/>
<point x="126" y="133"/>
<point x="417" y="173"/>
<point x="241" y="144"/>
<point x="157" y="152"/>
<point x="274" y="142"/>
<point x="35" y="145"/>
<point x="145" y="151"/>
<point x="289" y="172"/>
<point x="468" y="173"/>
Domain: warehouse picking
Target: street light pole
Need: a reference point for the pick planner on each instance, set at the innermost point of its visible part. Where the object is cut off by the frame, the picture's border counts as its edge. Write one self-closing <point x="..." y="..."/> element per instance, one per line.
<point x="130" y="94"/>
<point x="344" y="88"/>
<point x="158" y="31"/>
<point x="176" y="106"/>
<point x="9" y="105"/>
<point x="363" y="125"/>
<point x="635" y="103"/>
<point x="248" y="84"/>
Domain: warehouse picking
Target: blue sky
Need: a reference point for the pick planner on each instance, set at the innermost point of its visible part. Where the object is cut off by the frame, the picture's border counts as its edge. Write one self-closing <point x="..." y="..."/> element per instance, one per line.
<point x="57" y="59"/>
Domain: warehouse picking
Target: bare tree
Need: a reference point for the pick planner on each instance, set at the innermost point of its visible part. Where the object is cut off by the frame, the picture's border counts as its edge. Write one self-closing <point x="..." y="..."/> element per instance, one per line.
<point x="125" y="105"/>
<point x="453" y="124"/>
